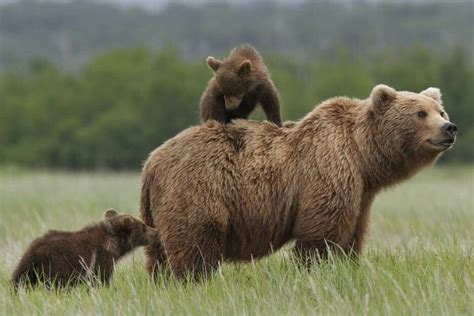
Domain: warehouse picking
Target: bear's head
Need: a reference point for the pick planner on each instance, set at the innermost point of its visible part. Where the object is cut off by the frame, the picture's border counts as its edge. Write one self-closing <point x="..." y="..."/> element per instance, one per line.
<point x="127" y="232"/>
<point x="234" y="77"/>
<point x="412" y="125"/>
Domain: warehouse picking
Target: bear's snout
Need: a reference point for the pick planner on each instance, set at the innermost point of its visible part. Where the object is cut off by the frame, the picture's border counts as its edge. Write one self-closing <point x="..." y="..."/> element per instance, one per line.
<point x="450" y="130"/>
<point x="151" y="234"/>
<point x="232" y="103"/>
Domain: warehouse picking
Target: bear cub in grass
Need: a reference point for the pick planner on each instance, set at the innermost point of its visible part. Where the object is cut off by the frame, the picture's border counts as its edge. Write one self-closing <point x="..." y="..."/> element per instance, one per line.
<point x="62" y="258"/>
<point x="240" y="82"/>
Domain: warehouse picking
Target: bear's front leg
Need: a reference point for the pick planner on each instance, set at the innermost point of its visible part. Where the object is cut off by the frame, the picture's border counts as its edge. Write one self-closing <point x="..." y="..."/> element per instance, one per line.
<point x="212" y="105"/>
<point x="355" y="246"/>
<point x="308" y="252"/>
<point x="270" y="103"/>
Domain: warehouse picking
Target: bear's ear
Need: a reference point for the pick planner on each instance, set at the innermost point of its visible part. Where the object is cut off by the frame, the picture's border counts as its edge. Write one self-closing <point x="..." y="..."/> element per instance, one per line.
<point x="125" y="226"/>
<point x="382" y="96"/>
<point x="245" y="67"/>
<point x="110" y="213"/>
<point x="127" y="221"/>
<point x="213" y="63"/>
<point x="433" y="93"/>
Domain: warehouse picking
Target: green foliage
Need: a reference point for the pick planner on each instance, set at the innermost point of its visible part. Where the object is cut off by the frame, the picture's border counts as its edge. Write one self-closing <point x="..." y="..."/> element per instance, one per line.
<point x="125" y="103"/>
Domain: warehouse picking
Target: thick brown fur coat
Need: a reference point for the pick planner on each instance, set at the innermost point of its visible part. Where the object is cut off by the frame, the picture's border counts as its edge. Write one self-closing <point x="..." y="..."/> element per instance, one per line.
<point x="238" y="191"/>
<point x="240" y="82"/>
<point x="64" y="258"/>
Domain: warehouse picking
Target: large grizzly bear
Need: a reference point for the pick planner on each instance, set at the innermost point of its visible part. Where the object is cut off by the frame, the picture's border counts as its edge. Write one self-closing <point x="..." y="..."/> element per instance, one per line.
<point x="313" y="183"/>
<point x="241" y="81"/>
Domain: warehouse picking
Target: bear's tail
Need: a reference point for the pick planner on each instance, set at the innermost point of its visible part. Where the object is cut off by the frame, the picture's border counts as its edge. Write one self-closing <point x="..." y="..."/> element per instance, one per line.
<point x="24" y="273"/>
<point x="145" y="199"/>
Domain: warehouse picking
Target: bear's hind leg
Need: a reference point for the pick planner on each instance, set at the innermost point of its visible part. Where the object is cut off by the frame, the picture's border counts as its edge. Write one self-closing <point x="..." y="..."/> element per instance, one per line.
<point x="155" y="259"/>
<point x="198" y="254"/>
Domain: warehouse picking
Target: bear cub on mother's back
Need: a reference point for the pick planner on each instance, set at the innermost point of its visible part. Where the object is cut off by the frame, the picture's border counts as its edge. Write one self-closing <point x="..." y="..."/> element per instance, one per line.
<point x="240" y="82"/>
<point x="62" y="258"/>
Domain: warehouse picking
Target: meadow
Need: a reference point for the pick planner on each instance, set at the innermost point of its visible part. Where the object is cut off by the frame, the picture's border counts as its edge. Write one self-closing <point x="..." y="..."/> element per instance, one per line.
<point x="419" y="258"/>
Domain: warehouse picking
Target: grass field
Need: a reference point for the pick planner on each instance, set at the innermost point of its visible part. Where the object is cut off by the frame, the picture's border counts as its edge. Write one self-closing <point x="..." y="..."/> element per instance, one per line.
<point x="419" y="259"/>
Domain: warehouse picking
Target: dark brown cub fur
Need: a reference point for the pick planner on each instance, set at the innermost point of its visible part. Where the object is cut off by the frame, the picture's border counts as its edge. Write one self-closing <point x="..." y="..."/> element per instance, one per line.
<point x="63" y="258"/>
<point x="240" y="82"/>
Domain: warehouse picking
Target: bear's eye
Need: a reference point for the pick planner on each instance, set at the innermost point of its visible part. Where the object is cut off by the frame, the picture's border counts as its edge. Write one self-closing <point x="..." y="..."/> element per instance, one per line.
<point x="422" y="114"/>
<point x="443" y="114"/>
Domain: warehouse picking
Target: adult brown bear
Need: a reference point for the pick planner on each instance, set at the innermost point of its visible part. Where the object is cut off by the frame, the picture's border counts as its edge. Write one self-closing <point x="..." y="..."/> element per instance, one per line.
<point x="237" y="191"/>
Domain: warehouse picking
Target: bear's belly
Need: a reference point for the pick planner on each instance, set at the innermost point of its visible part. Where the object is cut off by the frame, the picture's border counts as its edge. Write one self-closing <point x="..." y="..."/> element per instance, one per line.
<point x="250" y="243"/>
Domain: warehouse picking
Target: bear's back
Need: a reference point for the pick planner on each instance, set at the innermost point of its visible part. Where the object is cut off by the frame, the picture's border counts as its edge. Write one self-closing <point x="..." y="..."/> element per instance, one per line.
<point x="212" y="143"/>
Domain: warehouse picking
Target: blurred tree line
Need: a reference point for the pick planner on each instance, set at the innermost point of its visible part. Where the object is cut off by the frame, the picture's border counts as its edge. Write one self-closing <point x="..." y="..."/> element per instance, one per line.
<point x="125" y="103"/>
<point x="71" y="32"/>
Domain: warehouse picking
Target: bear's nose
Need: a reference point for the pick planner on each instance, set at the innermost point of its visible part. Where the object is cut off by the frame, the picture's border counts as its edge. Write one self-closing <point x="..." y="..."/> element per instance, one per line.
<point x="450" y="129"/>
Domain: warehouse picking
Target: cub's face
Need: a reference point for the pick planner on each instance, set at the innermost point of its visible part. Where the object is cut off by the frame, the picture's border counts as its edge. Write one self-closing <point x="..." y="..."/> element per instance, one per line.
<point x="129" y="229"/>
<point x="233" y="78"/>
<point x="414" y="123"/>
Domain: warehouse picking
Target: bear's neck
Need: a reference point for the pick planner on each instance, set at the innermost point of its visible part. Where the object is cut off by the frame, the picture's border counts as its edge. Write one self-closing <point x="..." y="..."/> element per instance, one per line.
<point x="375" y="160"/>
<point x="380" y="163"/>
<point x="117" y="247"/>
<point x="101" y="235"/>
<point x="116" y="244"/>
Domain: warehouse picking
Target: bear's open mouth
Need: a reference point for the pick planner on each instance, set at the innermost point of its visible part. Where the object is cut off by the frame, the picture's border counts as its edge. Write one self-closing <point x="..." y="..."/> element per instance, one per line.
<point x="446" y="143"/>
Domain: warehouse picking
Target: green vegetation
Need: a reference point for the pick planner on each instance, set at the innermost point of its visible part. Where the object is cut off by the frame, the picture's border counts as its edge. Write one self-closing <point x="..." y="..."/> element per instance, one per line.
<point x="77" y="93"/>
<point x="86" y="86"/>
<point x="125" y="103"/>
<point x="419" y="257"/>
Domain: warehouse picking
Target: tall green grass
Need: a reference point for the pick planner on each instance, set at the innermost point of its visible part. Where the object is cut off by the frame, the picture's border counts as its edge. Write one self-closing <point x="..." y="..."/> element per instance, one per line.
<point x="419" y="258"/>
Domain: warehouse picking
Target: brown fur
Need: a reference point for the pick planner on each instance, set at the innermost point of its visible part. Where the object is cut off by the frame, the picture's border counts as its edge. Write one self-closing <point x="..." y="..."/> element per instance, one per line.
<point x="312" y="182"/>
<point x="289" y="124"/>
<point x="240" y="82"/>
<point x="66" y="258"/>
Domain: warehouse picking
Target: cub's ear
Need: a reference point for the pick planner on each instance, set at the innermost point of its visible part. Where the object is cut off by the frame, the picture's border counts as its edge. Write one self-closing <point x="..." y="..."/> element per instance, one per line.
<point x="127" y="221"/>
<point x="125" y="226"/>
<point x="433" y="93"/>
<point x="213" y="63"/>
<point x="110" y="213"/>
<point x="245" y="67"/>
<point x="382" y="96"/>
